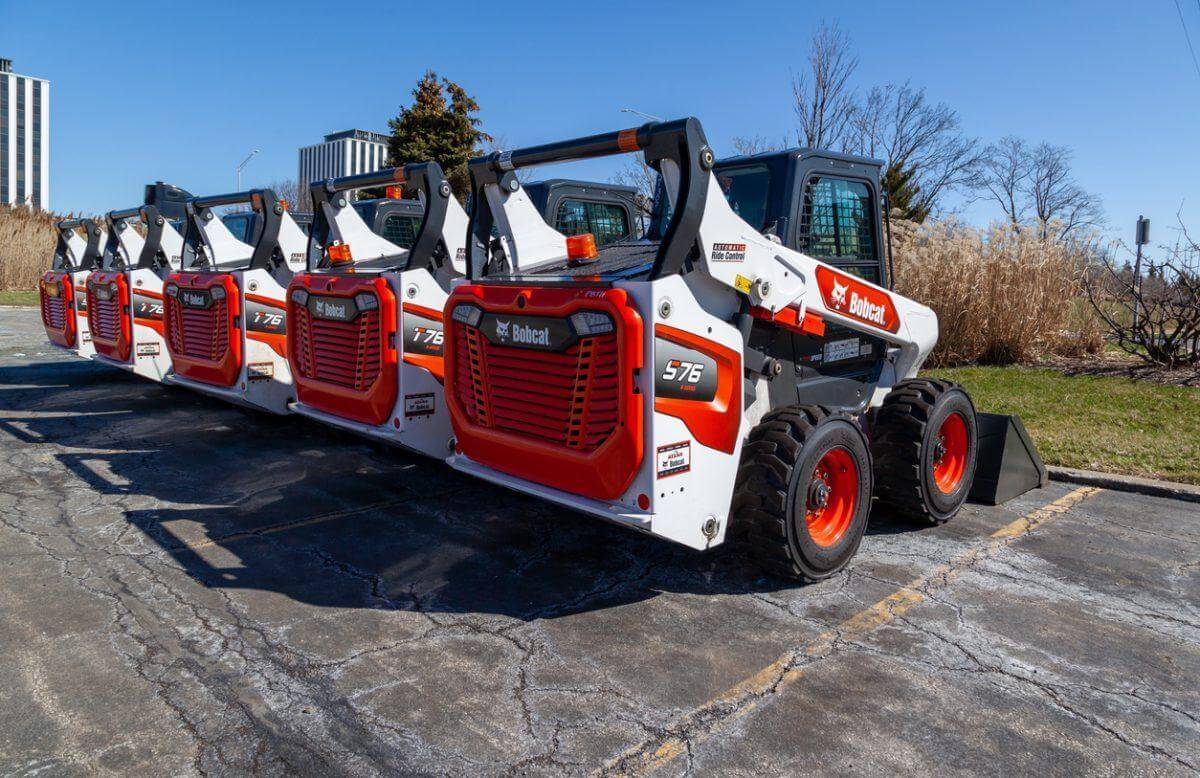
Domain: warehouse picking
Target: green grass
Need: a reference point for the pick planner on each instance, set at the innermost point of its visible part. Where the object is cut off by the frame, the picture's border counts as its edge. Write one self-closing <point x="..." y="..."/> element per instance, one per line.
<point x="1097" y="423"/>
<point x="20" y="297"/>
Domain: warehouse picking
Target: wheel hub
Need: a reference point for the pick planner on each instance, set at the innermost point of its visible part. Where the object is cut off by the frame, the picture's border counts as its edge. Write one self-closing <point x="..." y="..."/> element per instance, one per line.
<point x="939" y="449"/>
<point x="818" y="494"/>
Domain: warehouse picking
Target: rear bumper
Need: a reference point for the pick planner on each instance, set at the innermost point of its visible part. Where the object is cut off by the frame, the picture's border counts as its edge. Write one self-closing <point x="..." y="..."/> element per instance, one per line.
<point x="226" y="393"/>
<point x="599" y="508"/>
<point x="382" y="434"/>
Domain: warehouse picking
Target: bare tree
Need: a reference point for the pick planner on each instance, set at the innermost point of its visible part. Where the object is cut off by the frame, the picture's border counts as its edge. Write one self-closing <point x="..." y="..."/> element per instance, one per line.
<point x="642" y="177"/>
<point x="823" y="98"/>
<point x="756" y="145"/>
<point x="298" y="198"/>
<point x="1059" y="204"/>
<point x="1036" y="183"/>
<point x="925" y="140"/>
<point x="1156" y="319"/>
<point x="1002" y="175"/>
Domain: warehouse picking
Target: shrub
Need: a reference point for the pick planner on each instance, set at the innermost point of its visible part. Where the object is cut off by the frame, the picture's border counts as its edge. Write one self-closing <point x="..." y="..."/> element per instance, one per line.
<point x="1002" y="295"/>
<point x="27" y="240"/>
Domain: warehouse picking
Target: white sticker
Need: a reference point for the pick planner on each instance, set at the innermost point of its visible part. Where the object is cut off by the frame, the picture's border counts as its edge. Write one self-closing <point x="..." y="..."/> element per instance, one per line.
<point x="260" y="371"/>
<point x="147" y="349"/>
<point x="674" y="459"/>
<point x="841" y="349"/>
<point x="729" y="252"/>
<point x="418" y="405"/>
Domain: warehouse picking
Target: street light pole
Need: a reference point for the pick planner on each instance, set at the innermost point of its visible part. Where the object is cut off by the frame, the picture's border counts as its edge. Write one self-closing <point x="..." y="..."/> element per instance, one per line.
<point x="239" y="169"/>
<point x="651" y="117"/>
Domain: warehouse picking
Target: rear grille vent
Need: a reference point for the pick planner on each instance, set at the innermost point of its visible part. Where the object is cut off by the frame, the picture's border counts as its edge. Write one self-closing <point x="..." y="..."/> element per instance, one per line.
<point x="198" y="333"/>
<point x="566" y="398"/>
<point x="346" y="354"/>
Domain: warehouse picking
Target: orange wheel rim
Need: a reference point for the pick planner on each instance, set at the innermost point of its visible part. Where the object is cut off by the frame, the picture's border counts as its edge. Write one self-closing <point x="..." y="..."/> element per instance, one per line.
<point x="832" y="497"/>
<point x="950" y="453"/>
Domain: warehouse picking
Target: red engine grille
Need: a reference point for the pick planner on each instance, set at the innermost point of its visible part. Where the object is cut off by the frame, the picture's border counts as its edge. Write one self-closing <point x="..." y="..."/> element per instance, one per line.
<point x="566" y="398"/>
<point x="345" y="354"/>
<point x="104" y="318"/>
<point x="199" y="333"/>
<point x="55" y="311"/>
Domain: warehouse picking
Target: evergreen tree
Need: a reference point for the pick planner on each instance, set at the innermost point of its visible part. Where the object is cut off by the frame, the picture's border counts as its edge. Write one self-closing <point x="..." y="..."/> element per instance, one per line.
<point x="904" y="194"/>
<point x="441" y="126"/>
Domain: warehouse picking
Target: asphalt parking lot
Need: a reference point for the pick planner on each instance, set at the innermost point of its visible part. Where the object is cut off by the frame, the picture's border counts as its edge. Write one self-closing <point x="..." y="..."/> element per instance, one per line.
<point x="187" y="588"/>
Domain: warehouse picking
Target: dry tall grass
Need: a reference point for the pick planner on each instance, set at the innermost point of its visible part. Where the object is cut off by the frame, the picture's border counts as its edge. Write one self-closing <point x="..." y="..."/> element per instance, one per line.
<point x="1002" y="295"/>
<point x="27" y="239"/>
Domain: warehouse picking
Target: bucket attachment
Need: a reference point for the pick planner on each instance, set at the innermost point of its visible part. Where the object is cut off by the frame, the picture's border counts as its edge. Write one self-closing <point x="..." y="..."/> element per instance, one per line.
<point x="1008" y="463"/>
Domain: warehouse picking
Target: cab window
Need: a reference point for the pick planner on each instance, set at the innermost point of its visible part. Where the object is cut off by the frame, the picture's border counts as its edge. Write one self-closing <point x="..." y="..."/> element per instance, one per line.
<point x="239" y="225"/>
<point x="400" y="229"/>
<point x="837" y="225"/>
<point x="746" y="189"/>
<point x="608" y="222"/>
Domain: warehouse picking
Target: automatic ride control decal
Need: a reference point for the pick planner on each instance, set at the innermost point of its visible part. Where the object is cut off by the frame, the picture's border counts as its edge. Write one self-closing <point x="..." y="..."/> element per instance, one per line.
<point x="851" y="297"/>
<point x="673" y="459"/>
<point x="260" y="371"/>
<point x="729" y="252"/>
<point x="148" y="349"/>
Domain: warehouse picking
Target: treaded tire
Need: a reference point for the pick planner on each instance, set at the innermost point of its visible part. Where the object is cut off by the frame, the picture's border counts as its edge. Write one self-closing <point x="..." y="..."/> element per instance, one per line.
<point x="771" y="499"/>
<point x="904" y="444"/>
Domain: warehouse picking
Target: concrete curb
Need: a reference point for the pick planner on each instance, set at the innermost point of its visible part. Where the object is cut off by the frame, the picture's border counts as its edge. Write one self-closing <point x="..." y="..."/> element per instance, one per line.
<point x="1126" y="483"/>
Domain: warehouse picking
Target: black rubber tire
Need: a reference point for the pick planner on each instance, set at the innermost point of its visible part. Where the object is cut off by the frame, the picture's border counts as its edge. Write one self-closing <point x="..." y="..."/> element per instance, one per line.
<point x="903" y="444"/>
<point x="770" y="499"/>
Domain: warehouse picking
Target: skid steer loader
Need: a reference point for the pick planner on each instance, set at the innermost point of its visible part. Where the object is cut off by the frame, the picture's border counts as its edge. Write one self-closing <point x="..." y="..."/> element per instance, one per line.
<point x="125" y="295"/>
<point x="688" y="385"/>
<point x="63" y="288"/>
<point x="225" y="318"/>
<point x="364" y="321"/>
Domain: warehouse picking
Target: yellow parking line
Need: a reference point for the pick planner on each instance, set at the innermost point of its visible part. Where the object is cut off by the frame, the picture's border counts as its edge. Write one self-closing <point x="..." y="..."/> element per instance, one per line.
<point x="722" y="711"/>
<point x="289" y="525"/>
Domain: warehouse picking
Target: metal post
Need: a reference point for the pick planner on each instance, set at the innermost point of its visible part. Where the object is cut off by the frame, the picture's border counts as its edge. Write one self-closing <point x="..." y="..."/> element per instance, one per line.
<point x="1141" y="237"/>
<point x="239" y="169"/>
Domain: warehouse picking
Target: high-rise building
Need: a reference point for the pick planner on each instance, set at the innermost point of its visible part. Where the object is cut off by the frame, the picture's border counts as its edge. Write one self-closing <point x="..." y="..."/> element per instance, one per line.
<point x="345" y="153"/>
<point x="24" y="138"/>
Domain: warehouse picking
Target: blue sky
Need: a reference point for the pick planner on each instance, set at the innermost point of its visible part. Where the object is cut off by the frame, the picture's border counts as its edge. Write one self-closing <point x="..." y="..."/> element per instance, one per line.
<point x="183" y="91"/>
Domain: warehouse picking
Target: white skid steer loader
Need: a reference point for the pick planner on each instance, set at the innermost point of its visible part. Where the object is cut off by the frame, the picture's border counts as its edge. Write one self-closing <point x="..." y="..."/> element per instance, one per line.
<point x="225" y="317"/>
<point x="63" y="288"/>
<point x="125" y="295"/>
<point x="635" y="383"/>
<point x="364" y="321"/>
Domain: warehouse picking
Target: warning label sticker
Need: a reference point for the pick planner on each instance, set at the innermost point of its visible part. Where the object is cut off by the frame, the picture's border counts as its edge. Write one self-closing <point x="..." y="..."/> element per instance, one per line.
<point x="418" y="405"/>
<point x="674" y="459"/>
<point x="729" y="252"/>
<point x="841" y="349"/>
<point x="260" y="371"/>
<point x="147" y="349"/>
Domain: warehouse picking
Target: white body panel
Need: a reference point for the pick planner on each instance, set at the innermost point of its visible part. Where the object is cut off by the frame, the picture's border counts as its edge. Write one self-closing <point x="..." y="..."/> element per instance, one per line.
<point x="692" y="506"/>
<point x="419" y="420"/>
<point x="265" y="378"/>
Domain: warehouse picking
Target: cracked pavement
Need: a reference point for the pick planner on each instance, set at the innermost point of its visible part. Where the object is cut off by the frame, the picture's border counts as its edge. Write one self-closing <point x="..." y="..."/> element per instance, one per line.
<point x="190" y="589"/>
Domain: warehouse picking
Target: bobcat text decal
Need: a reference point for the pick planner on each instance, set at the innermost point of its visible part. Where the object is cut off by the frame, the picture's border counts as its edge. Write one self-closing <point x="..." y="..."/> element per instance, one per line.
<point x="850" y="297"/>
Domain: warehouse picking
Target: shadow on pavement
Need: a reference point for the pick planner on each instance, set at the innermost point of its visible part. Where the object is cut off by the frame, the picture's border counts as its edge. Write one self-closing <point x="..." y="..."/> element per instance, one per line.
<point x="288" y="506"/>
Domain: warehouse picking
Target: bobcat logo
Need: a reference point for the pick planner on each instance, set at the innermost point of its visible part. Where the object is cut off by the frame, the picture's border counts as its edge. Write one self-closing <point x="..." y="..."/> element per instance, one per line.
<point x="838" y="296"/>
<point x="502" y="328"/>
